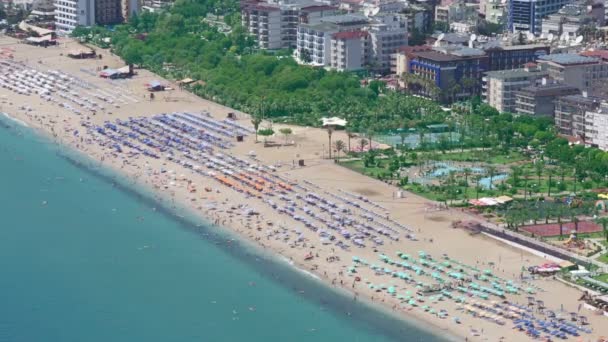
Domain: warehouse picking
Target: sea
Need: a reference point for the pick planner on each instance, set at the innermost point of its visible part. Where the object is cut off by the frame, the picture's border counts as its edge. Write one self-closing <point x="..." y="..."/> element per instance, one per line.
<point x="86" y="256"/>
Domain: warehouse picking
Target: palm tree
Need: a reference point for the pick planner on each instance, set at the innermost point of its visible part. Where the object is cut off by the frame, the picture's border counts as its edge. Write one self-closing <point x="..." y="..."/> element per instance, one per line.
<point x="539" y="165"/>
<point x="339" y="145"/>
<point x="604" y="222"/>
<point x="550" y="173"/>
<point x="467" y="173"/>
<point x="330" y="131"/>
<point x="256" y="120"/>
<point x="350" y="136"/>
<point x="362" y="144"/>
<point x="491" y="172"/>
<point x="477" y="179"/>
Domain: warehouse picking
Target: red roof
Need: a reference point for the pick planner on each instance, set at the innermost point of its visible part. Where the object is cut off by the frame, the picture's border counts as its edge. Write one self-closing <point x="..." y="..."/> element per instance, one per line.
<point x="530" y="65"/>
<point x="319" y="8"/>
<point x="603" y="54"/>
<point x="350" y="35"/>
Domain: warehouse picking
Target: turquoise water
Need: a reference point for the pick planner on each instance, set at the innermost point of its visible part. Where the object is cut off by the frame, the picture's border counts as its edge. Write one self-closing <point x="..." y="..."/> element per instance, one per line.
<point x="78" y="263"/>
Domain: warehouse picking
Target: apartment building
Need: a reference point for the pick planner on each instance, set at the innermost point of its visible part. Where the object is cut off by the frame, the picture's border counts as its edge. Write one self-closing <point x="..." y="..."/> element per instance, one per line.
<point x="108" y="12"/>
<point x="72" y="13"/>
<point x="314" y="41"/>
<point x="350" y="50"/>
<point x="575" y="70"/>
<point x="156" y="5"/>
<point x="275" y="23"/>
<point x="527" y="15"/>
<point x="539" y="100"/>
<point x="388" y="32"/>
<point x="499" y="87"/>
<point x="572" y="17"/>
<point x="570" y="113"/>
<point x="455" y="70"/>
<point x="493" y="10"/>
<point x="506" y="57"/>
<point x="596" y="127"/>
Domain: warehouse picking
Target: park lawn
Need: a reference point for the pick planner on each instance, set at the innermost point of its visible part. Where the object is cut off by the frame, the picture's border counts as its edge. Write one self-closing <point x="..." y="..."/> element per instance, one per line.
<point x="603" y="258"/>
<point x="358" y="166"/>
<point x="602" y="277"/>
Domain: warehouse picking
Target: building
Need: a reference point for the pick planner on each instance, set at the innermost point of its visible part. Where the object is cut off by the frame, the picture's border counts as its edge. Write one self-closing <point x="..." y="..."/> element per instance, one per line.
<point x="539" y="100"/>
<point x="457" y="11"/>
<point x="130" y="7"/>
<point x="455" y="72"/>
<point x="570" y="113"/>
<point x="572" y="17"/>
<point x="494" y="11"/>
<point x="156" y="5"/>
<point x="419" y="17"/>
<point x="404" y="55"/>
<point x="527" y="15"/>
<point x="314" y="41"/>
<point x="596" y="127"/>
<point x="388" y="32"/>
<point x="506" y="57"/>
<point x="275" y="24"/>
<point x="72" y="13"/>
<point x="575" y="70"/>
<point x="499" y="87"/>
<point x="108" y="12"/>
<point x="350" y="50"/>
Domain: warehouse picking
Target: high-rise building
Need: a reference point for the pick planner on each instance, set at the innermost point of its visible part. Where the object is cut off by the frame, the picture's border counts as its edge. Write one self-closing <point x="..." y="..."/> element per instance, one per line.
<point x="527" y="15"/>
<point x="72" y="13"/>
<point x="575" y="70"/>
<point x="275" y="23"/>
<point x="108" y="12"/>
<point x="499" y="87"/>
<point x="539" y="100"/>
<point x="570" y="113"/>
<point x="596" y="127"/>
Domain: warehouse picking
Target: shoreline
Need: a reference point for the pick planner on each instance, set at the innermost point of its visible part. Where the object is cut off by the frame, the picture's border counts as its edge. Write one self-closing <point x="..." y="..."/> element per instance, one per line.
<point x="221" y="206"/>
<point x="228" y="241"/>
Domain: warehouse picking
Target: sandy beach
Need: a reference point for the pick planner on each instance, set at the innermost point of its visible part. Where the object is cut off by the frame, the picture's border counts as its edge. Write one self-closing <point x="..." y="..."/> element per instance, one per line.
<point x="415" y="231"/>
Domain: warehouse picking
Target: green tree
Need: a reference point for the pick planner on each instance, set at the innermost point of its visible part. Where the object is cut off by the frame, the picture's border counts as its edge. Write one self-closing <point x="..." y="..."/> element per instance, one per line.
<point x="286" y="132"/>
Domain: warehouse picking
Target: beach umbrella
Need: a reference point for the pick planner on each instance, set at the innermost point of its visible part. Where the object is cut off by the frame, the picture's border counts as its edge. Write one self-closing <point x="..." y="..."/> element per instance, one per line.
<point x="412" y="302"/>
<point x="391" y="290"/>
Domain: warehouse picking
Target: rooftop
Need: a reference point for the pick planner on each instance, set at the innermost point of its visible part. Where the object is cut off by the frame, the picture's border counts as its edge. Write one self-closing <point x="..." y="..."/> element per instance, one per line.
<point x="603" y="54"/>
<point x="568" y="59"/>
<point x="516" y="73"/>
<point x="580" y="99"/>
<point x="554" y="89"/>
<point x="350" y="35"/>
<point x="345" y="19"/>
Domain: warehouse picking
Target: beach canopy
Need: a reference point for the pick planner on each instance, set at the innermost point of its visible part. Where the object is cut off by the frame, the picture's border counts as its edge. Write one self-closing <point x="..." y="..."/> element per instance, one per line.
<point x="333" y="121"/>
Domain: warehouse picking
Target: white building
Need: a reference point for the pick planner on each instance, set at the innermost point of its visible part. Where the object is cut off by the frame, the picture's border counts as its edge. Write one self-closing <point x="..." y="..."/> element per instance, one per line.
<point x="494" y="11"/>
<point x="499" y="87"/>
<point x="350" y="50"/>
<point x="596" y="127"/>
<point x="388" y="32"/>
<point x="275" y="23"/>
<point x="72" y="13"/>
<point x="314" y="41"/>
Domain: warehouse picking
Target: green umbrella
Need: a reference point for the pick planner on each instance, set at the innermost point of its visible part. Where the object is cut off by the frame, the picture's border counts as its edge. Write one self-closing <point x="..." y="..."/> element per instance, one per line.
<point x="391" y="290"/>
<point x="356" y="259"/>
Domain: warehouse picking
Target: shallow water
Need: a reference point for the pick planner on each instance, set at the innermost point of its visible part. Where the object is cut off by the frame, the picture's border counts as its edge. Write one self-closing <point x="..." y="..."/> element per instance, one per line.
<point x="85" y="259"/>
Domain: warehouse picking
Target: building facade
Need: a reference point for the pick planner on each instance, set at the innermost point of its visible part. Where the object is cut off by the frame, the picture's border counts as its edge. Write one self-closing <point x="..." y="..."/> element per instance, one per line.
<point x="388" y="32"/>
<point x="527" y="15"/>
<point x="575" y="70"/>
<point x="275" y="24"/>
<point x="72" y="13"/>
<point x="572" y="17"/>
<point x="455" y="72"/>
<point x="499" y="87"/>
<point x="539" y="100"/>
<point x="596" y="127"/>
<point x="570" y="113"/>
<point x="108" y="12"/>
<point x="506" y="57"/>
<point x="350" y="50"/>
